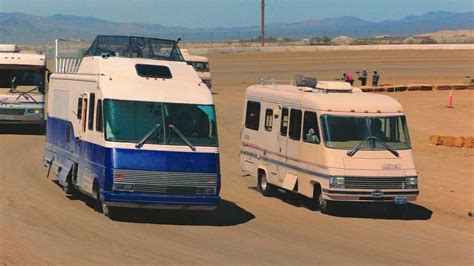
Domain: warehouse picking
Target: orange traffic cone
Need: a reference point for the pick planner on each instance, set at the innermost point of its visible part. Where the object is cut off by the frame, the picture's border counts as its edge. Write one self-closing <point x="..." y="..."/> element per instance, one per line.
<point x="450" y="100"/>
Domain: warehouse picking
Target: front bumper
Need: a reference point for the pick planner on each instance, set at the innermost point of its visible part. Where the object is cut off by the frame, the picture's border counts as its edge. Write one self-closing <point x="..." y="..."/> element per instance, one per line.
<point x="370" y="195"/>
<point x="168" y="202"/>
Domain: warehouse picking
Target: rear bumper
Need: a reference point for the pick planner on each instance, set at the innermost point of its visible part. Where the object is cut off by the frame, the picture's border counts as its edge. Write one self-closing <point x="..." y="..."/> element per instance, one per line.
<point x="370" y="196"/>
<point x="150" y="201"/>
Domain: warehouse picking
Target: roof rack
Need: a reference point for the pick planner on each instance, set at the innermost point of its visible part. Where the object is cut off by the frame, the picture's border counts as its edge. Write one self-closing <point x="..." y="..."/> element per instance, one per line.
<point x="67" y="64"/>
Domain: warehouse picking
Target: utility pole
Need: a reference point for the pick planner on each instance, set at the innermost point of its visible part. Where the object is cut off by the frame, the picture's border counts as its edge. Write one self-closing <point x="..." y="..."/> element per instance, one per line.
<point x="262" y="34"/>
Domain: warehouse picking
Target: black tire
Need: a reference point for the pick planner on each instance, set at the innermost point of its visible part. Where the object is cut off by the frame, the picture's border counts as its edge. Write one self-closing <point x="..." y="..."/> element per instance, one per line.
<point x="264" y="187"/>
<point x="323" y="205"/>
<point x="397" y="211"/>
<point x="69" y="188"/>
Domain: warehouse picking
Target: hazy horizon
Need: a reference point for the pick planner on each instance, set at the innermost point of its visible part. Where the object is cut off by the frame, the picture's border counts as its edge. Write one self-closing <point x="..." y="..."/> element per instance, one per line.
<point x="215" y="13"/>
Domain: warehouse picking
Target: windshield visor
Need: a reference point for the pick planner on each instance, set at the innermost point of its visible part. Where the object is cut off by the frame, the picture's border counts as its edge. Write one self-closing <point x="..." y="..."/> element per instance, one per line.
<point x="346" y="132"/>
<point x="130" y="121"/>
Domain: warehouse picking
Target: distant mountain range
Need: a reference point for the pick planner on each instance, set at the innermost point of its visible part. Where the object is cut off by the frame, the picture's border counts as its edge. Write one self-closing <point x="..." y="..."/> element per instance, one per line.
<point x="22" y="28"/>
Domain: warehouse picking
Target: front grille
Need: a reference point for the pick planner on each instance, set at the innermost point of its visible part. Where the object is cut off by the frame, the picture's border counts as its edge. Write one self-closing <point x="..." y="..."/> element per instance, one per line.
<point x="169" y="183"/>
<point x="12" y="111"/>
<point x="359" y="182"/>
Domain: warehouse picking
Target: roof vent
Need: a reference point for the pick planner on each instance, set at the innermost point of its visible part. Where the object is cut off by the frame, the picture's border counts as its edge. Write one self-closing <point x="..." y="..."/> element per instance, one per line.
<point x="334" y="86"/>
<point x="308" y="82"/>
<point x="9" y="48"/>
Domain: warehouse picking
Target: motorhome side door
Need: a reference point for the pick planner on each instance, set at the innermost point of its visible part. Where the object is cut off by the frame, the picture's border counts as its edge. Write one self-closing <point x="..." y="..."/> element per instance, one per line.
<point x="283" y="142"/>
<point x="84" y="178"/>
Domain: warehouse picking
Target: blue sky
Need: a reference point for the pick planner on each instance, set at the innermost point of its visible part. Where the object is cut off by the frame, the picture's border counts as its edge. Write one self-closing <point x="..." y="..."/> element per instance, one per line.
<point x="228" y="13"/>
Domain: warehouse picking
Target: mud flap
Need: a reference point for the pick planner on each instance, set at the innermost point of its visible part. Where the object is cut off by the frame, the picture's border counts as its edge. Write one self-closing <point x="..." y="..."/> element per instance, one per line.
<point x="289" y="182"/>
<point x="64" y="171"/>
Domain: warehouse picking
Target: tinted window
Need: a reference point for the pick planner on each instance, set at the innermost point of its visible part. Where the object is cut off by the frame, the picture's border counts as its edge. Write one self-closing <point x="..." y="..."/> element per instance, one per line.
<point x="295" y="124"/>
<point x="284" y="122"/>
<point x="79" y="108"/>
<point x="252" y="116"/>
<point x="98" y="118"/>
<point x="268" y="119"/>
<point x="310" y="128"/>
<point x="90" y="123"/>
<point x="153" y="71"/>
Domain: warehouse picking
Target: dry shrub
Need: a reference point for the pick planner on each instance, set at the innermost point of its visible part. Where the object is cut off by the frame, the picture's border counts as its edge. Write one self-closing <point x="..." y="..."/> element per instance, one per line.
<point x="458" y="142"/>
<point x="435" y="140"/>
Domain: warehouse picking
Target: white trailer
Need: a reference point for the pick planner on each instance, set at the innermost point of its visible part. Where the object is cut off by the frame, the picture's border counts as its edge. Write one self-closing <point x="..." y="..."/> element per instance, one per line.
<point x="330" y="142"/>
<point x="22" y="86"/>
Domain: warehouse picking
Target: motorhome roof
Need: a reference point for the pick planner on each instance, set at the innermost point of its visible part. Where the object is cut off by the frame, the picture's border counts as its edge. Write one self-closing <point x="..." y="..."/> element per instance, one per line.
<point x="354" y="102"/>
<point x="118" y="79"/>
<point x="25" y="59"/>
<point x="9" y="48"/>
<point x="195" y="58"/>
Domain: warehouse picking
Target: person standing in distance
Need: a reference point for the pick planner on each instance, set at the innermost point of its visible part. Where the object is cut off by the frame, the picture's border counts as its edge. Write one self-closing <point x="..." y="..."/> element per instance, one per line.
<point x="363" y="77"/>
<point x="375" y="79"/>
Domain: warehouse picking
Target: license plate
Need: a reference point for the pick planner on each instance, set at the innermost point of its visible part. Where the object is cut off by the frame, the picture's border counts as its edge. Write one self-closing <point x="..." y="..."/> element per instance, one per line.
<point x="400" y="201"/>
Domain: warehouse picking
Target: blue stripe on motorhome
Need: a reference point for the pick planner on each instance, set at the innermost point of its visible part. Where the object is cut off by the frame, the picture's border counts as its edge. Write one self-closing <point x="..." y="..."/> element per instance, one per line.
<point x="100" y="160"/>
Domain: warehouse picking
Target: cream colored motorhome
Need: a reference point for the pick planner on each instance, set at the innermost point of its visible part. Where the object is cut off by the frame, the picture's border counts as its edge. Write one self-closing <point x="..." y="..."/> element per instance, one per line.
<point x="330" y="142"/>
<point x="22" y="86"/>
<point x="200" y="65"/>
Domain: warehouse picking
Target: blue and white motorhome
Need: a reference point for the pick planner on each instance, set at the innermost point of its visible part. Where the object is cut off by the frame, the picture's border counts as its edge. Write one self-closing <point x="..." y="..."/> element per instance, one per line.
<point x="132" y="125"/>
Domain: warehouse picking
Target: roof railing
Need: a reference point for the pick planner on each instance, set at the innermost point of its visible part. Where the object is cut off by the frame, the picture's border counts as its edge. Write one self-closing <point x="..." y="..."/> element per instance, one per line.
<point x="274" y="82"/>
<point x="66" y="64"/>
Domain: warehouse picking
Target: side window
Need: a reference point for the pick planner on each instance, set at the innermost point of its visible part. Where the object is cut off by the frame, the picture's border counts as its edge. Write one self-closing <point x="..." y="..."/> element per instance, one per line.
<point x="252" y="116"/>
<point x="268" y="119"/>
<point x="295" y="124"/>
<point x="98" y="118"/>
<point x="284" y="122"/>
<point x="79" y="108"/>
<point x="84" y="113"/>
<point x="310" y="128"/>
<point x="68" y="134"/>
<point x="90" y="122"/>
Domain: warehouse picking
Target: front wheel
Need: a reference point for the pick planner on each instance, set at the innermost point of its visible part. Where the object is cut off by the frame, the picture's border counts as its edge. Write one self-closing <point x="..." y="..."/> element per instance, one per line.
<point x="324" y="206"/>
<point x="264" y="187"/>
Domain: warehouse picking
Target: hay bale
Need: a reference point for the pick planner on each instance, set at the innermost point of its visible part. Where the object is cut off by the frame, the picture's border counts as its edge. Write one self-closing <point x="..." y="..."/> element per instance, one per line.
<point x="414" y="88"/>
<point x="469" y="142"/>
<point x="435" y="140"/>
<point x="443" y="87"/>
<point x="378" y="90"/>
<point x="426" y="88"/>
<point x="401" y="88"/>
<point x="458" y="142"/>
<point x="447" y="141"/>
<point x="367" y="89"/>
<point x="470" y="87"/>
<point x="459" y="87"/>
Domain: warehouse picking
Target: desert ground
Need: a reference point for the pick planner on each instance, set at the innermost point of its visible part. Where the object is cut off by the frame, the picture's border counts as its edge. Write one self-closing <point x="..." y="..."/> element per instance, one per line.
<point x="40" y="225"/>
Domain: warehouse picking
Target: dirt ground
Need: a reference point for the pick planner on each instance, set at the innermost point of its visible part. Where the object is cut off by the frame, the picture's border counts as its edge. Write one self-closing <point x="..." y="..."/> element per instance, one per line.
<point x="39" y="224"/>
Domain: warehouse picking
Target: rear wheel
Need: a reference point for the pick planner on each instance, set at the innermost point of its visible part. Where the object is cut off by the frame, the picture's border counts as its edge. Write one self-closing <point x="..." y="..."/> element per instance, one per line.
<point x="264" y="187"/>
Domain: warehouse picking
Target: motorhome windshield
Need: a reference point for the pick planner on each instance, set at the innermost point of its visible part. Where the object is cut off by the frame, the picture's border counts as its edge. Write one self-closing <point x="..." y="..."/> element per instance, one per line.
<point x="135" y="47"/>
<point x="20" y="77"/>
<point x="200" y="66"/>
<point x="130" y="121"/>
<point x="346" y="132"/>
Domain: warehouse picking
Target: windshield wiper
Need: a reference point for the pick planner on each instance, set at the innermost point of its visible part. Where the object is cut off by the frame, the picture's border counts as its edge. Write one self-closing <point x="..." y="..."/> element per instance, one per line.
<point x="147" y="136"/>
<point x="372" y="138"/>
<point x="390" y="149"/>
<point x="358" y="147"/>
<point x="183" y="137"/>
